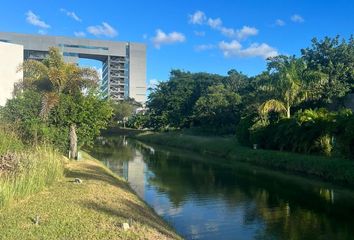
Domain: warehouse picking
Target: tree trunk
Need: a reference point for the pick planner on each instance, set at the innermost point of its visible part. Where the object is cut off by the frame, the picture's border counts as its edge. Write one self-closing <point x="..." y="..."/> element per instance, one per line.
<point x="288" y="110"/>
<point x="73" y="142"/>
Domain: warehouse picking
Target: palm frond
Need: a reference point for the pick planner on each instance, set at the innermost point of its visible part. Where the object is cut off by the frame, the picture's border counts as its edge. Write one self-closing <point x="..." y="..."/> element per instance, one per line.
<point x="49" y="101"/>
<point x="272" y="105"/>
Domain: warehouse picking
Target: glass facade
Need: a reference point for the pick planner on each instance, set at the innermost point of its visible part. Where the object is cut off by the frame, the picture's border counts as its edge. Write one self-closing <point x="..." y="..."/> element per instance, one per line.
<point x="84" y="47"/>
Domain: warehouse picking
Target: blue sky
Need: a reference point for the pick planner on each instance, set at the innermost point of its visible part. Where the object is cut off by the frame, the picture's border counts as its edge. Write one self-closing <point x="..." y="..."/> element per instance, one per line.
<point x="212" y="36"/>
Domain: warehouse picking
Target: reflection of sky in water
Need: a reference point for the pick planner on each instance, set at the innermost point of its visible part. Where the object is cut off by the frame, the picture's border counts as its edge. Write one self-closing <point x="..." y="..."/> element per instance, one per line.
<point x="202" y="219"/>
<point x="208" y="202"/>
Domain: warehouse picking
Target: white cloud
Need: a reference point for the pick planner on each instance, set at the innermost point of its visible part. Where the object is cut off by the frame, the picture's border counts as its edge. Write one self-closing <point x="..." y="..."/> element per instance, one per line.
<point x="229" y="32"/>
<point x="71" y="14"/>
<point x="215" y="23"/>
<point x="240" y="34"/>
<point x="145" y="36"/>
<point x="279" y="23"/>
<point x="105" y="30"/>
<point x="204" y="47"/>
<point x="80" y="34"/>
<point x="42" y="31"/>
<point x="169" y="38"/>
<point x="153" y="83"/>
<point x="197" y="18"/>
<point x="35" y="20"/>
<point x="230" y="49"/>
<point x="246" y="32"/>
<point x="199" y="33"/>
<point x="259" y="50"/>
<point x="297" y="18"/>
<point x="234" y="48"/>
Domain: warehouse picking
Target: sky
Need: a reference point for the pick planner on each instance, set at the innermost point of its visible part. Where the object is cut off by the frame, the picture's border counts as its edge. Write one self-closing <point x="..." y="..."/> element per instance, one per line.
<point x="192" y="35"/>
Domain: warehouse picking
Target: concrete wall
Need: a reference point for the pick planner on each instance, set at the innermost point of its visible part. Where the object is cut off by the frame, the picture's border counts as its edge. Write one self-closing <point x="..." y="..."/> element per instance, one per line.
<point x="86" y="48"/>
<point x="137" y="72"/>
<point x="11" y="56"/>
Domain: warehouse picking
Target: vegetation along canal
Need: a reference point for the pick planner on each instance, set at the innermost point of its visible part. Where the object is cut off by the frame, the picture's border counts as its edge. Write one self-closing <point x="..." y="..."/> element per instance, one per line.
<point x="203" y="199"/>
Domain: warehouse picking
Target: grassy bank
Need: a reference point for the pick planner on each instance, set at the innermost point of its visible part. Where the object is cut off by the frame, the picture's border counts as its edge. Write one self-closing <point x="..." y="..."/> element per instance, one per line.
<point x="329" y="169"/>
<point x="121" y="131"/>
<point x="25" y="170"/>
<point x="94" y="209"/>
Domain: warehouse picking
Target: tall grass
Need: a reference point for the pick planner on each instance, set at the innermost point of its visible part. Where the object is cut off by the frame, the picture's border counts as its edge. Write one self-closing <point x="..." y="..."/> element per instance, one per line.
<point x="9" y="140"/>
<point x="38" y="168"/>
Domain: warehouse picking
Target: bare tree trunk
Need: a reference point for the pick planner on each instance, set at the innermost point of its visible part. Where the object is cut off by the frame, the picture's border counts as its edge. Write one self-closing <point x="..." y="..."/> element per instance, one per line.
<point x="288" y="110"/>
<point x="73" y="142"/>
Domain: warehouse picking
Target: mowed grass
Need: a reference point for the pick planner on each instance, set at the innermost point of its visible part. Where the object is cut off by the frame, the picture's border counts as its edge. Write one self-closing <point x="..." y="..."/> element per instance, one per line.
<point x="337" y="170"/>
<point x="94" y="209"/>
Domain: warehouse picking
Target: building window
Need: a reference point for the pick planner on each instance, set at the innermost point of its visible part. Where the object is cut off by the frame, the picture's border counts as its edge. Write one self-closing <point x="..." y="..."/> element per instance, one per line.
<point x="84" y="47"/>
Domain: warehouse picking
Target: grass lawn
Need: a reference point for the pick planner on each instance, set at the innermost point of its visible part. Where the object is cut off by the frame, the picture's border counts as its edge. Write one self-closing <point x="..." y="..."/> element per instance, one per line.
<point x="336" y="170"/>
<point x="94" y="209"/>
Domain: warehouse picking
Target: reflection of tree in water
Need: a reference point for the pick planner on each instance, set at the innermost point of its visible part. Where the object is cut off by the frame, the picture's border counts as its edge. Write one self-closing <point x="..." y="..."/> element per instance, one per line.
<point x="114" y="152"/>
<point x="290" y="208"/>
<point x="117" y="147"/>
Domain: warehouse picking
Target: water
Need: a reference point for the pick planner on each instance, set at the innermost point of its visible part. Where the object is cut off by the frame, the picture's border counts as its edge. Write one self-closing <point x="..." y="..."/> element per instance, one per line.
<point x="203" y="199"/>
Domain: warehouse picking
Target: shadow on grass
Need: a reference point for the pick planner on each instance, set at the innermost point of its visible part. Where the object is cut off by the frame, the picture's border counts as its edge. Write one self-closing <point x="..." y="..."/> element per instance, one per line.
<point x="136" y="213"/>
<point x="96" y="173"/>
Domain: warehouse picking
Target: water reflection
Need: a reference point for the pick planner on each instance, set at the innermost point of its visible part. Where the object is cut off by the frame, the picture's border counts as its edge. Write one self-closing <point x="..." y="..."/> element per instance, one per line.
<point x="203" y="199"/>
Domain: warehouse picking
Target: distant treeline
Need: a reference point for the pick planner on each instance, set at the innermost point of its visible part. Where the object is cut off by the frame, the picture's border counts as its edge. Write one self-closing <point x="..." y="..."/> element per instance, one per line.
<point x="296" y="104"/>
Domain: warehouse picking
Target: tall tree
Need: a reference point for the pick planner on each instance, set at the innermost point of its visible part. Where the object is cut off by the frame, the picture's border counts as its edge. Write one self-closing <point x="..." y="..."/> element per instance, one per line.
<point x="219" y="107"/>
<point x="54" y="77"/>
<point x="334" y="58"/>
<point x="286" y="81"/>
<point x="172" y="102"/>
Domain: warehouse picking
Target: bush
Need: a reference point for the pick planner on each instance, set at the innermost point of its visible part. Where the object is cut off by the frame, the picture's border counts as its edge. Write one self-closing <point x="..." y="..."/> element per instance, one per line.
<point x="243" y="130"/>
<point x="344" y="134"/>
<point x="88" y="112"/>
<point x="309" y="131"/>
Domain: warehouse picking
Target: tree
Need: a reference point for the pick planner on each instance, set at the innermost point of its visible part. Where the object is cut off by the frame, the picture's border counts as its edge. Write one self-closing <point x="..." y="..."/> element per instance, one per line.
<point x="335" y="60"/>
<point x="69" y="100"/>
<point x="236" y="81"/>
<point x="171" y="103"/>
<point x="218" y="108"/>
<point x="53" y="77"/>
<point x="122" y="111"/>
<point x="286" y="81"/>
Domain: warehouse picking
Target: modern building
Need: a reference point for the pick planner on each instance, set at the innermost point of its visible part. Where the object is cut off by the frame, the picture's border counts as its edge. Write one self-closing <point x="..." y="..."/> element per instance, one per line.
<point x="123" y="63"/>
<point x="11" y="57"/>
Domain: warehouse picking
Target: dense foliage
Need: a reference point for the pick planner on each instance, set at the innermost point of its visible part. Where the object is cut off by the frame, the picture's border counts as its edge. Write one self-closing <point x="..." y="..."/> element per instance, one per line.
<point x="295" y="105"/>
<point x="195" y="100"/>
<point x="53" y="96"/>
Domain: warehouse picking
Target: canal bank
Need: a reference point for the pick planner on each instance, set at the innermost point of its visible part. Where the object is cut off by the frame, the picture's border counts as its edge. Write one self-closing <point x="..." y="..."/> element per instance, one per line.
<point x="204" y="198"/>
<point x="96" y="208"/>
<point x="335" y="170"/>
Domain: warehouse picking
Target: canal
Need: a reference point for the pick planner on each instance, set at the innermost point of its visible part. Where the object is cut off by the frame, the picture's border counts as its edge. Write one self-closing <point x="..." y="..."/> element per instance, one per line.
<point x="204" y="199"/>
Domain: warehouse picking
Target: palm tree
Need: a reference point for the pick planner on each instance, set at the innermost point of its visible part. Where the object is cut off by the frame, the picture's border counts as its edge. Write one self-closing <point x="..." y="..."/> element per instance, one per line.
<point x="54" y="77"/>
<point x="286" y="81"/>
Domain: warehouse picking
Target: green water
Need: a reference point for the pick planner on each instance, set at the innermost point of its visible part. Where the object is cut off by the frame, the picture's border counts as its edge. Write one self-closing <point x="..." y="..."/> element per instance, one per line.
<point x="203" y="199"/>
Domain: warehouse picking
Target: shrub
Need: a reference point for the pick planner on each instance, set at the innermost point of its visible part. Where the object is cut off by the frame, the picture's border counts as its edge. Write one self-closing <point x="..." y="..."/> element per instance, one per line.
<point x="344" y="134"/>
<point x="309" y="131"/>
<point x="243" y="130"/>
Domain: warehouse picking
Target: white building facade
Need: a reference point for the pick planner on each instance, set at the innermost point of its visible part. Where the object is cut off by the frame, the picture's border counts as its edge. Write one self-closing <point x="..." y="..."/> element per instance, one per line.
<point x="11" y="58"/>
